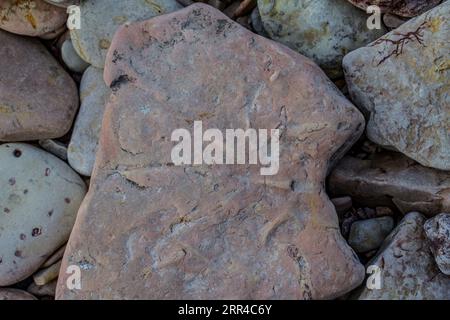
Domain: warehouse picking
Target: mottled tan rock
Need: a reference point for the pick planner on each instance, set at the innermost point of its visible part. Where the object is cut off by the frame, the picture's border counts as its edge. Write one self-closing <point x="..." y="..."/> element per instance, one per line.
<point x="407" y="267"/>
<point x="38" y="99"/>
<point x="401" y="82"/>
<point x="391" y="179"/>
<point x="15" y="294"/>
<point x="31" y="17"/>
<point x="404" y="8"/>
<point x="149" y="229"/>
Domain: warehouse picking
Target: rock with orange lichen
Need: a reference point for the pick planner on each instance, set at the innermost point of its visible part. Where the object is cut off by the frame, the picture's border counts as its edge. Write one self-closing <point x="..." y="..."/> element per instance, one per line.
<point x="401" y="82"/>
<point x="31" y="17"/>
<point x="149" y="229"/>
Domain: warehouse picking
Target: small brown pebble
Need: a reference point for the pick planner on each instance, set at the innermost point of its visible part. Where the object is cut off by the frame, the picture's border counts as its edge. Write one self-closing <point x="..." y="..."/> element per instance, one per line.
<point x="383" y="211"/>
<point x="46" y="275"/>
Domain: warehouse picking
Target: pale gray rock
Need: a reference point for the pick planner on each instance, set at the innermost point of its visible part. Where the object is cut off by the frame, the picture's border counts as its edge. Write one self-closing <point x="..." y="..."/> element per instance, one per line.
<point x="401" y="82"/>
<point x="39" y="199"/>
<point x="101" y="18"/>
<point x="83" y="144"/>
<point x="323" y="30"/>
<point x="407" y="267"/>
<point x="71" y="58"/>
<point x="367" y="235"/>
<point x="437" y="230"/>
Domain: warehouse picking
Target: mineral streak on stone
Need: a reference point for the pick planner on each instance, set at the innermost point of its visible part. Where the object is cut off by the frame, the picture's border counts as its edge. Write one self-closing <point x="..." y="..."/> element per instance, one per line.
<point x="407" y="268"/>
<point x="38" y="99"/>
<point x="391" y="179"/>
<point x="149" y="229"/>
<point x="323" y="30"/>
<point x="404" y="8"/>
<point x="401" y="82"/>
<point x="31" y="17"/>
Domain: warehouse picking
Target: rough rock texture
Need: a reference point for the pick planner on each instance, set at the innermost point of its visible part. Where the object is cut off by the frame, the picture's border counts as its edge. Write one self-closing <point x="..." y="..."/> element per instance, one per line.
<point x="101" y="18"/>
<point x="401" y="82"/>
<point x="324" y="30"/>
<point x="15" y="294"/>
<point x="149" y="229"/>
<point x="408" y="270"/>
<point x="437" y="230"/>
<point x="31" y="228"/>
<point x="38" y="99"/>
<point x="404" y="8"/>
<point x="63" y="3"/>
<point x="83" y="144"/>
<point x="391" y="179"/>
<point x="367" y="235"/>
<point x="31" y="17"/>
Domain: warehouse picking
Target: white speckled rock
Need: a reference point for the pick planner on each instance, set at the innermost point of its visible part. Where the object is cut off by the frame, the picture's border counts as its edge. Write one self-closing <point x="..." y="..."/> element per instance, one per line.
<point x="15" y="294"/>
<point x="83" y="144"/>
<point x="101" y="18"/>
<point x="39" y="199"/>
<point x="408" y="270"/>
<point x="437" y="230"/>
<point x="71" y="58"/>
<point x="323" y="30"/>
<point x="401" y="82"/>
<point x="367" y="235"/>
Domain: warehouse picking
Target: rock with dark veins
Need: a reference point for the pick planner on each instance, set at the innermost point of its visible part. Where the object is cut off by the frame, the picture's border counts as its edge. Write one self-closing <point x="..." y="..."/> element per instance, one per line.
<point x="151" y="230"/>
<point x="401" y="82"/>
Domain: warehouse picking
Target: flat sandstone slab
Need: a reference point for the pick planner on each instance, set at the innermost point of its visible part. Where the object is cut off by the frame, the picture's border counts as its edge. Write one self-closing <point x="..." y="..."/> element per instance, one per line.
<point x="152" y="230"/>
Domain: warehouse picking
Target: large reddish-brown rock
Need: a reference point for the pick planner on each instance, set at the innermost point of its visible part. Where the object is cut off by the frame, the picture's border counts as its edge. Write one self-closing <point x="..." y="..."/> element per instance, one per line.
<point x="404" y="8"/>
<point x="38" y="98"/>
<point x="31" y="17"/>
<point x="152" y="230"/>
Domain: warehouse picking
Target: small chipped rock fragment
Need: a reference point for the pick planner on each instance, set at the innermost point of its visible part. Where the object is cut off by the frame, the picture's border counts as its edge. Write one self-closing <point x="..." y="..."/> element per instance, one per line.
<point x="406" y="266"/>
<point x="151" y="230"/>
<point x="401" y="83"/>
<point x="72" y="59"/>
<point x="57" y="255"/>
<point x="367" y="235"/>
<point x="54" y="147"/>
<point x="44" y="276"/>
<point x="437" y="230"/>
<point x="391" y="179"/>
<point x="31" y="228"/>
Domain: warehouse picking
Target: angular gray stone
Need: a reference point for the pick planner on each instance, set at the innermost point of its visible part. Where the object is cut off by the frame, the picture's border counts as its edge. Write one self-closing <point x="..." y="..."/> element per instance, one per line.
<point x="323" y="30"/>
<point x="367" y="235"/>
<point x="391" y="179"/>
<point x="407" y="267"/>
<point x="83" y="144"/>
<point x="39" y="199"/>
<point x="101" y="18"/>
<point x="401" y="82"/>
<point x="437" y="230"/>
